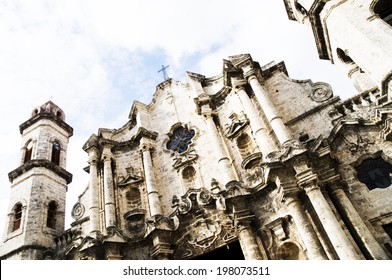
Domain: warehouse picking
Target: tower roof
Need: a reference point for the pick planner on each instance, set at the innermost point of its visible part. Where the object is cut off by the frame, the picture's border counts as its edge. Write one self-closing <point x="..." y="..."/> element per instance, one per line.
<point x="51" y="111"/>
<point x="49" y="108"/>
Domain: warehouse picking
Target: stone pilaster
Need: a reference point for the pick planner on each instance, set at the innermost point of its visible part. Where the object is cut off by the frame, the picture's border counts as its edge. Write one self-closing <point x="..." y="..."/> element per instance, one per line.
<point x="246" y="236"/>
<point x="161" y="250"/>
<point x="110" y="209"/>
<point x="351" y="216"/>
<point x="152" y="190"/>
<point x="341" y="243"/>
<point x="314" y="249"/>
<point x="276" y="122"/>
<point x="113" y="252"/>
<point x="93" y="189"/>
<point x="224" y="162"/>
<point x="260" y="131"/>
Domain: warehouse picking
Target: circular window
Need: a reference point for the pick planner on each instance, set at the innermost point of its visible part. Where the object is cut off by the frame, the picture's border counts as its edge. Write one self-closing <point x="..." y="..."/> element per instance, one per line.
<point x="180" y="140"/>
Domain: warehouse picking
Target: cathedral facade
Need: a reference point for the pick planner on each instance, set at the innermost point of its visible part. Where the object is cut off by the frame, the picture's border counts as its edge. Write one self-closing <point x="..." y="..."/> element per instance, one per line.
<point x="249" y="164"/>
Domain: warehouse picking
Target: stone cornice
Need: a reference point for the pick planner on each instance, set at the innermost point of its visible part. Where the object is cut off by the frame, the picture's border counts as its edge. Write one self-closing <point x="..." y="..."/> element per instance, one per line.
<point x="40" y="163"/>
<point x="23" y="248"/>
<point x="144" y="133"/>
<point x="46" y="116"/>
<point x="92" y="142"/>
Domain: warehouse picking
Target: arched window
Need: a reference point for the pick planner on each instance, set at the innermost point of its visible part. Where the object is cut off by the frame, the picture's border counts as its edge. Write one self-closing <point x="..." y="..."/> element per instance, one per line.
<point x="180" y="140"/>
<point x="28" y="152"/>
<point x="52" y="212"/>
<point x="383" y="9"/>
<point x="375" y="173"/>
<point x="56" y="148"/>
<point x="17" y="216"/>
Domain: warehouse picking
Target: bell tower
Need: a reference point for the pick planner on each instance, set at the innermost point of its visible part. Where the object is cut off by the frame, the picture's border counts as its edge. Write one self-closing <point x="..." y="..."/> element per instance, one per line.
<point x="36" y="212"/>
<point x="354" y="34"/>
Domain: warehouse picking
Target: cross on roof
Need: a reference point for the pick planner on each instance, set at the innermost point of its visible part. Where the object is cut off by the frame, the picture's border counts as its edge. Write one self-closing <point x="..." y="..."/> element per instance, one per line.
<point x="163" y="70"/>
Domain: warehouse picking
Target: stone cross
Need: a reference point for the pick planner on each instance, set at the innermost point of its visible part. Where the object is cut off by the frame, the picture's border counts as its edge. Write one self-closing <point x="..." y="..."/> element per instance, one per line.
<point x="163" y="70"/>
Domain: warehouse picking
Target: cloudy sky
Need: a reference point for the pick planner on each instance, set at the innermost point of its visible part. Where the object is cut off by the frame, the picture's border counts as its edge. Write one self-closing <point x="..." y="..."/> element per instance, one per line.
<point x="94" y="58"/>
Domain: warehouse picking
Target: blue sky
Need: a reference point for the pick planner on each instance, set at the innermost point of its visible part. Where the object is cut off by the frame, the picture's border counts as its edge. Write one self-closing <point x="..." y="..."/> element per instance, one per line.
<point x="94" y="58"/>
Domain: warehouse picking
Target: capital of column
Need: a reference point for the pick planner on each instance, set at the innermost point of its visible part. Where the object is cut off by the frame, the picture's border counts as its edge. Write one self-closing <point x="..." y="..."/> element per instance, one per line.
<point x="207" y="111"/>
<point x="106" y="157"/>
<point x="243" y="219"/>
<point x="250" y="75"/>
<point x="238" y="84"/>
<point x="93" y="156"/>
<point x="162" y="250"/>
<point x="146" y="147"/>
<point x="107" y="153"/>
<point x="289" y="190"/>
<point x="289" y="198"/>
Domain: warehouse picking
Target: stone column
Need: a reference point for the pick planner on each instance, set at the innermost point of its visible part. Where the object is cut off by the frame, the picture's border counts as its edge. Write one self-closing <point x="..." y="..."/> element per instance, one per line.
<point x="93" y="189"/>
<point x="261" y="134"/>
<point x="246" y="237"/>
<point x="363" y="234"/>
<point x="113" y="252"/>
<point x="224" y="162"/>
<point x="314" y="249"/>
<point x="110" y="209"/>
<point x="342" y="245"/>
<point x="152" y="190"/>
<point x="268" y="108"/>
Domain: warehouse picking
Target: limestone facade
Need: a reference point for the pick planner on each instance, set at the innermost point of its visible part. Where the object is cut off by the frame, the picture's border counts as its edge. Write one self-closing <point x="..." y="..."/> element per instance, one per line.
<point x="249" y="164"/>
<point x="249" y="158"/>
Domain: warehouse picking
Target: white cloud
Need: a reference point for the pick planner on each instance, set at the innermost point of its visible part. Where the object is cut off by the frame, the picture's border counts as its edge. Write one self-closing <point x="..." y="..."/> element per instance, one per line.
<point x="96" y="57"/>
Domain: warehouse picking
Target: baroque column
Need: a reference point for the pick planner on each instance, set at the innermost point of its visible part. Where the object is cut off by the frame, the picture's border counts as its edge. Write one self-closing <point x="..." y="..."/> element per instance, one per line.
<point x="314" y="249"/>
<point x="152" y="190"/>
<point x="342" y="245"/>
<point x="261" y="134"/>
<point x="110" y="209"/>
<point x="268" y="108"/>
<point x="224" y="161"/>
<point x="363" y="234"/>
<point x="246" y="237"/>
<point x="93" y="189"/>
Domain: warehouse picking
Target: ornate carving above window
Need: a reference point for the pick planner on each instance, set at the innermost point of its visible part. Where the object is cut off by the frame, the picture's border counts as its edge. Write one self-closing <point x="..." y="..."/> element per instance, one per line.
<point x="237" y="124"/>
<point x="180" y="139"/>
<point x="375" y="173"/>
<point x="321" y="92"/>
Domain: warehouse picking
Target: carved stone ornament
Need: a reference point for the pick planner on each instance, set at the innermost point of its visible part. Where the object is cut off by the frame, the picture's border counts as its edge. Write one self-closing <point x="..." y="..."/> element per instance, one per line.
<point x="356" y="142"/>
<point x="321" y="92"/>
<point x="204" y="233"/>
<point x="203" y="197"/>
<point x="77" y="211"/>
<point x="288" y="150"/>
<point x="183" y="206"/>
<point x="184" y="158"/>
<point x="237" y="124"/>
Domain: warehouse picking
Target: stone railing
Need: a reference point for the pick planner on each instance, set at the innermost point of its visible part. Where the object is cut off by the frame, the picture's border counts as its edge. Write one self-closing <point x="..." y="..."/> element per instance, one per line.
<point x="358" y="102"/>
